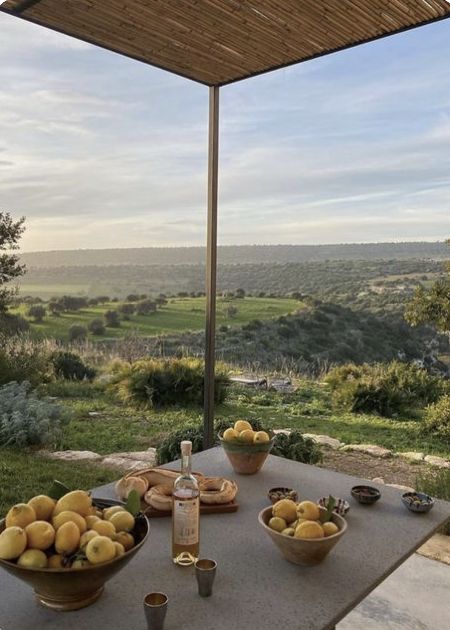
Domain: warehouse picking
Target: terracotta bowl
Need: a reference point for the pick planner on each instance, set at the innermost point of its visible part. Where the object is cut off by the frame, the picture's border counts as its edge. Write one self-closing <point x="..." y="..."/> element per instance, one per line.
<point x="246" y="459"/>
<point x="306" y="552"/>
<point x="71" y="589"/>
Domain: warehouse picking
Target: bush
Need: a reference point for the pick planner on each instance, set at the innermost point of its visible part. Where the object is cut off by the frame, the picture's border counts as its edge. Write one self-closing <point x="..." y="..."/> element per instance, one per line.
<point x="37" y="312"/>
<point x="293" y="446"/>
<point x="146" y="307"/>
<point x="70" y="366"/>
<point x="112" y="319"/>
<point x="158" y="383"/>
<point x="437" y="419"/>
<point x="436" y="484"/>
<point x="387" y="389"/>
<point x="77" y="333"/>
<point x="22" y="359"/>
<point x="13" y="324"/>
<point x="97" y="327"/>
<point x="26" y="420"/>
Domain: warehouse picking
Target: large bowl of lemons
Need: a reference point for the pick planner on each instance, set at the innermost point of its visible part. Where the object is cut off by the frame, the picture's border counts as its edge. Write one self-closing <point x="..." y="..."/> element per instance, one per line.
<point x="67" y="549"/>
<point x="303" y="532"/>
<point x="246" y="449"/>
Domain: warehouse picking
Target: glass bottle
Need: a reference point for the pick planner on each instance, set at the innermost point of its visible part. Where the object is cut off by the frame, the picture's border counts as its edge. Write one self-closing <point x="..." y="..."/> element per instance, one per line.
<point x="185" y="512"/>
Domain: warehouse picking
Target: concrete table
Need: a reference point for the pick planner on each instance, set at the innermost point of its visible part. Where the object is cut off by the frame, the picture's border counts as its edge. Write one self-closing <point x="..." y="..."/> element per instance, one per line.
<point x="255" y="587"/>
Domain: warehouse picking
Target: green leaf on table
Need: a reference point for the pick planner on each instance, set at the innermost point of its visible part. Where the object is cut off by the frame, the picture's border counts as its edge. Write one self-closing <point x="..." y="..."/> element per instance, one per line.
<point x="330" y="507"/>
<point x="58" y="490"/>
<point x="133" y="504"/>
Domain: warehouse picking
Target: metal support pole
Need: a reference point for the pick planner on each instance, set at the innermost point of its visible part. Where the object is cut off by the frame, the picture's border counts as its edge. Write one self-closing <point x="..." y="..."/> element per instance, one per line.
<point x="211" y="267"/>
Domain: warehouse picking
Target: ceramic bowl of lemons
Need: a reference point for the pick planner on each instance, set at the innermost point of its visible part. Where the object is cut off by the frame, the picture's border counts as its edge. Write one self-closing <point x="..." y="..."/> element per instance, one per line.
<point x="303" y="551"/>
<point x="64" y="589"/>
<point x="246" y="449"/>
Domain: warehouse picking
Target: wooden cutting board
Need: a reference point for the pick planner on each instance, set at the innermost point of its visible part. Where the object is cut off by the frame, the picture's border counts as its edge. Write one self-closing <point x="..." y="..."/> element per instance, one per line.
<point x="205" y="508"/>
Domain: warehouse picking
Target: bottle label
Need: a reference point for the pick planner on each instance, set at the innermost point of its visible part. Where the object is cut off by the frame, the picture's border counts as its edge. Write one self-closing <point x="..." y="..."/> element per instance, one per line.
<point x="185" y="521"/>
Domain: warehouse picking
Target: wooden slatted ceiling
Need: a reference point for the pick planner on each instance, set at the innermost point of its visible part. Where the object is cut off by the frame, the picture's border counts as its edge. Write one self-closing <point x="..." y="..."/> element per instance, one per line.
<point x="217" y="42"/>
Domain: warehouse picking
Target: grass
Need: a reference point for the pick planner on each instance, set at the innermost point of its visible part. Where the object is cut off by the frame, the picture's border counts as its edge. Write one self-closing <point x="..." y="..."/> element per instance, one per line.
<point x="25" y="474"/>
<point x="179" y="315"/>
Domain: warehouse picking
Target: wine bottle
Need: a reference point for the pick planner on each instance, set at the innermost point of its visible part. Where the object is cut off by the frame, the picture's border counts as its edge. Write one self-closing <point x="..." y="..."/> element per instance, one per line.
<point x="185" y="512"/>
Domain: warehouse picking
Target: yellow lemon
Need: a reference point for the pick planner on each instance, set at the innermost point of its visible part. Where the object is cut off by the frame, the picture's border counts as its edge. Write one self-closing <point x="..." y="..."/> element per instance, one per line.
<point x="286" y="509"/>
<point x="289" y="531"/>
<point x="40" y="535"/>
<point x="87" y="536"/>
<point x="242" y="425"/>
<point x="90" y="520"/>
<point x="67" y="538"/>
<point x="13" y="542"/>
<point x="20" y="515"/>
<point x="43" y="506"/>
<point x="122" y="521"/>
<point x="104" y="528"/>
<point x="125" y="539"/>
<point x="278" y="524"/>
<point x="308" y="510"/>
<point x="246" y="436"/>
<point x="108" y="512"/>
<point x="261" y="437"/>
<point x="100" y="549"/>
<point x="77" y="501"/>
<point x="120" y="549"/>
<point x="309" y="529"/>
<point x="230" y="435"/>
<point x="68" y="516"/>
<point x="80" y="563"/>
<point x="33" y="558"/>
<point x="330" y="528"/>
<point x="55" y="561"/>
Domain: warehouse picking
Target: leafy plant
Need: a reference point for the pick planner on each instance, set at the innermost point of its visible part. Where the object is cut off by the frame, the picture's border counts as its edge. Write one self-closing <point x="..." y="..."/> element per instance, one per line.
<point x="437" y="418"/>
<point x="22" y="359"/>
<point x="96" y="327"/>
<point x="70" y="366"/>
<point x="295" y="446"/>
<point x="27" y="420"/>
<point x="153" y="382"/>
<point x="77" y="333"/>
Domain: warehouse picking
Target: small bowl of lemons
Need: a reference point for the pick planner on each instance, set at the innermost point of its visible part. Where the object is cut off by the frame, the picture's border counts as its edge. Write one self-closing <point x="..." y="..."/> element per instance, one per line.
<point x="246" y="449"/>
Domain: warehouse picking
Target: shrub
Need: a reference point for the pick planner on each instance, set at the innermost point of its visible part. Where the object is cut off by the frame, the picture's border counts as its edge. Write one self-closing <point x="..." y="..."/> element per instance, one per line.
<point x="70" y="366"/>
<point x="22" y="359"/>
<point x="436" y="484"/>
<point x="77" y="333"/>
<point x="37" y="312"/>
<point x="387" y="389"/>
<point x="13" y="324"/>
<point x="437" y="418"/>
<point x="25" y="419"/>
<point x="97" y="327"/>
<point x="295" y="446"/>
<point x="158" y="383"/>
<point x="112" y="319"/>
<point x="145" y="307"/>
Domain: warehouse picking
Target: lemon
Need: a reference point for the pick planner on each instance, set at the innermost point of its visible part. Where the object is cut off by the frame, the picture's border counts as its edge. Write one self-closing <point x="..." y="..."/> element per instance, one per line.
<point x="108" y="512"/>
<point x="104" y="528"/>
<point x="120" y="549"/>
<point x="67" y="538"/>
<point x="122" y="521"/>
<point x="230" y="435"/>
<point x="246" y="436"/>
<point x="68" y="516"/>
<point x="125" y="539"/>
<point x="20" y="515"/>
<point x="309" y="529"/>
<point x="33" y="558"/>
<point x="55" y="561"/>
<point x="285" y="509"/>
<point x="330" y="528"/>
<point x="242" y="425"/>
<point x="40" y="535"/>
<point x="13" y="542"/>
<point x="87" y="537"/>
<point x="76" y="501"/>
<point x="278" y="524"/>
<point x="43" y="506"/>
<point x="100" y="549"/>
<point x="261" y="437"/>
<point x="308" y="510"/>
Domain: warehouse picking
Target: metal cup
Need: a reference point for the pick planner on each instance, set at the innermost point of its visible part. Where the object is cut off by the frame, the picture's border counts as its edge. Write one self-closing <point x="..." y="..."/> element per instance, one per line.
<point x="205" y="572"/>
<point x="155" y="608"/>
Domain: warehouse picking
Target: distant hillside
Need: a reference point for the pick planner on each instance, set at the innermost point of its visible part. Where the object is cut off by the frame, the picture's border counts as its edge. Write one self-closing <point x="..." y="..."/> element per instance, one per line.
<point x="243" y="254"/>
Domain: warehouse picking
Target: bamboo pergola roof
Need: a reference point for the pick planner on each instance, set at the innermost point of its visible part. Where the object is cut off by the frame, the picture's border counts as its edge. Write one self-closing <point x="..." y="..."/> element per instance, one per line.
<point x="216" y="42"/>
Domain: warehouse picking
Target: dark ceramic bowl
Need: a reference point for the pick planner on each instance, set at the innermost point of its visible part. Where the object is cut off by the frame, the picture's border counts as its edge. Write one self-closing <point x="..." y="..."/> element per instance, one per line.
<point x="417" y="502"/>
<point x="366" y="495"/>
<point x="342" y="506"/>
<point x="276" y="494"/>
<point x="71" y="589"/>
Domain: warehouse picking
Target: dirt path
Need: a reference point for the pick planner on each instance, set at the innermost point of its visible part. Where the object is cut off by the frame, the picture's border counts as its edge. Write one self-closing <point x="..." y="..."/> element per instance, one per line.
<point x="392" y="470"/>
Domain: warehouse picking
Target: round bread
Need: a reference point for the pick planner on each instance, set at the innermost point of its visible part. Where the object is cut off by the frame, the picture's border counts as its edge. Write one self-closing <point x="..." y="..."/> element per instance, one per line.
<point x="160" y="497"/>
<point x="217" y="490"/>
<point x="125" y="485"/>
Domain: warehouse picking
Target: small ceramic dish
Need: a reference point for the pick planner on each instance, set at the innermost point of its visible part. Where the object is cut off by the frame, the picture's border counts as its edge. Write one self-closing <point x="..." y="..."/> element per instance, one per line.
<point x="366" y="495"/>
<point x="276" y="494"/>
<point x="341" y="507"/>
<point x="417" y="501"/>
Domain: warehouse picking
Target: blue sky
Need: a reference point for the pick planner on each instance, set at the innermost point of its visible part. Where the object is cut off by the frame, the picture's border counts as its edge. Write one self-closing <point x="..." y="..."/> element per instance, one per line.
<point x="100" y="151"/>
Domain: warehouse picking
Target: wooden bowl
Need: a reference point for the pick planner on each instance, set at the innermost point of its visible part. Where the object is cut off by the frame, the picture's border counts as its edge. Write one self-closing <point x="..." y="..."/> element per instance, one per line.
<point x="246" y="459"/>
<point x="71" y="589"/>
<point x="303" y="551"/>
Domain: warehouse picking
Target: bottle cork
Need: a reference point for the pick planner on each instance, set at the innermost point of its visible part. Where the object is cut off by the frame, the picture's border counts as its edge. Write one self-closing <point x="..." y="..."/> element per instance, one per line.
<point x="186" y="447"/>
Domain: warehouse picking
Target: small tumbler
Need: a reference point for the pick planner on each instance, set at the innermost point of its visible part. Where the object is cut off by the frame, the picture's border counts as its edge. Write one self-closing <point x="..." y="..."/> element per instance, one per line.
<point x="155" y="608"/>
<point x="205" y="572"/>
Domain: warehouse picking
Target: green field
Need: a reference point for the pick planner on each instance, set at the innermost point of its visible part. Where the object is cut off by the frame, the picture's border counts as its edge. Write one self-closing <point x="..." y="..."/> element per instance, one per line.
<point x="179" y="315"/>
